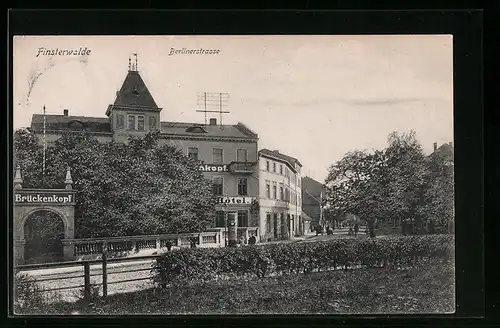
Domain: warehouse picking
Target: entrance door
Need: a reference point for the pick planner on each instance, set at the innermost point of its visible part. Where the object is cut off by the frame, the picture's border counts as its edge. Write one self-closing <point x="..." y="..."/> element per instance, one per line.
<point x="43" y="233"/>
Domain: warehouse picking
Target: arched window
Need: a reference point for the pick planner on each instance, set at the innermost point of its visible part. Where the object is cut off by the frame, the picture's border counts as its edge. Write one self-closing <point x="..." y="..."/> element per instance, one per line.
<point x="152" y="123"/>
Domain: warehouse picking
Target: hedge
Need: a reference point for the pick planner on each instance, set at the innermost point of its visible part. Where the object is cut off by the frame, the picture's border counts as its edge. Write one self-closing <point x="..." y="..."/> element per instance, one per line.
<point x="204" y="264"/>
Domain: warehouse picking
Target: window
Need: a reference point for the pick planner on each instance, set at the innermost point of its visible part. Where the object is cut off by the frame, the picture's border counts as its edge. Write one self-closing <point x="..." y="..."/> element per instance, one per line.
<point x="136" y="122"/>
<point x="140" y="123"/>
<point x="152" y="123"/>
<point x="287" y="195"/>
<point x="274" y="167"/>
<point x="267" y="165"/>
<point x="282" y="195"/>
<point x="241" y="155"/>
<point x="242" y="187"/>
<point x="131" y="122"/>
<point x="243" y="218"/>
<point x="193" y="153"/>
<point x="217" y="186"/>
<point x="274" y="191"/>
<point x="217" y="156"/>
<point x="268" y="222"/>
<point x="120" y="123"/>
<point x="268" y="190"/>
<point x="220" y="221"/>
<point x="281" y="169"/>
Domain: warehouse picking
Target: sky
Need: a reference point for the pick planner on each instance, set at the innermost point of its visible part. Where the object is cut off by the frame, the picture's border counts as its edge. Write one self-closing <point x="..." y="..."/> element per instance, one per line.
<point x="311" y="97"/>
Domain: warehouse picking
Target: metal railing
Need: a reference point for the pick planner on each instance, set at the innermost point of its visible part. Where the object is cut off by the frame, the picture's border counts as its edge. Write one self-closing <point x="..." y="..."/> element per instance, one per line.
<point x="87" y="285"/>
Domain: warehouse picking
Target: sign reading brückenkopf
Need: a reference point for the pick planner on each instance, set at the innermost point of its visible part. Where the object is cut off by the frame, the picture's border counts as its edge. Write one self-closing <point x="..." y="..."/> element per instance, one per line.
<point x="44" y="198"/>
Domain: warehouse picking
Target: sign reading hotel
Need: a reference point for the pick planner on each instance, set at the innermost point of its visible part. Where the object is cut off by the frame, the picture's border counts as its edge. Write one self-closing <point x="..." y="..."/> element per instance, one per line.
<point x="213" y="168"/>
<point x="235" y="200"/>
<point x="44" y="198"/>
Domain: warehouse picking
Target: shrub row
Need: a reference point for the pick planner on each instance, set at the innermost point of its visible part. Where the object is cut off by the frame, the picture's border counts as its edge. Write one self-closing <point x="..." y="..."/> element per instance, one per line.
<point x="188" y="265"/>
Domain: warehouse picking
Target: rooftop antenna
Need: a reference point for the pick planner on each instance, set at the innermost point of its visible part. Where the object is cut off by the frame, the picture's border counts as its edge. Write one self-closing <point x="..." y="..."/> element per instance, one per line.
<point x="213" y="102"/>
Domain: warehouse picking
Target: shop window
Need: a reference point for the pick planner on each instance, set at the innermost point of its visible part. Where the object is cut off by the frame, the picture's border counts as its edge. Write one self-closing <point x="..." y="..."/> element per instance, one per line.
<point x="220" y="221"/>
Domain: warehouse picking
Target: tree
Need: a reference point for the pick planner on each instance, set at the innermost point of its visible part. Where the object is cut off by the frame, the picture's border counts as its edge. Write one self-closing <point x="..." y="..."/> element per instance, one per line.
<point x="396" y="183"/>
<point x="141" y="187"/>
<point x="355" y="185"/>
<point x="405" y="172"/>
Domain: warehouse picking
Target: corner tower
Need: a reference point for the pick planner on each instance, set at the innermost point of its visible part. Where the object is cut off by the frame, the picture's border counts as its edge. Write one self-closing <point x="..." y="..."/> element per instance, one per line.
<point x="134" y="110"/>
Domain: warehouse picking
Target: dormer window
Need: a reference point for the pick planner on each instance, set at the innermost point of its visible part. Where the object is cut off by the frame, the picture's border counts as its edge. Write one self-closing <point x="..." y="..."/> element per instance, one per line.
<point x="196" y="129"/>
<point x="75" y="125"/>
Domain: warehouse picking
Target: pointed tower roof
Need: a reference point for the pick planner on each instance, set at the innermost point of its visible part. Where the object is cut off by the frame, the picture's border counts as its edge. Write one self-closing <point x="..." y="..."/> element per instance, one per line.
<point x="134" y="94"/>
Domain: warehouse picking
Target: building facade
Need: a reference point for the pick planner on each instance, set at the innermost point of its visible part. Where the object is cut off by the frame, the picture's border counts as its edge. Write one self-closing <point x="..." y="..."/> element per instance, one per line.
<point x="312" y="194"/>
<point x="228" y="154"/>
<point x="280" y="203"/>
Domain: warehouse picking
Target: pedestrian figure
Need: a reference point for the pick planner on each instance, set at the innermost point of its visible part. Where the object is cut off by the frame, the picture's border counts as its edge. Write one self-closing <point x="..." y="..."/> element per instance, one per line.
<point x="193" y="242"/>
<point x="242" y="240"/>
<point x="356" y="229"/>
<point x="350" y="232"/>
<point x="252" y="240"/>
<point x="168" y="244"/>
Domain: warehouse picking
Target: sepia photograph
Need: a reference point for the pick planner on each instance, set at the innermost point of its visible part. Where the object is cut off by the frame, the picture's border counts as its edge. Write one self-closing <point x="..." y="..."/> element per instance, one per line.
<point x="233" y="174"/>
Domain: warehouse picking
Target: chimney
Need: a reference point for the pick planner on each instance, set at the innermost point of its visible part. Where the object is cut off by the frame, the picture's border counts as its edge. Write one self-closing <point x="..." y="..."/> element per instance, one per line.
<point x="213" y="121"/>
<point x="65" y="112"/>
<point x="435" y="146"/>
<point x="451" y="144"/>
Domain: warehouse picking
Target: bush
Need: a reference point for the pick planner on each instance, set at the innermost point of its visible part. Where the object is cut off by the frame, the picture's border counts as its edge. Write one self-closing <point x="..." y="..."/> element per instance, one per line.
<point x="28" y="295"/>
<point x="193" y="265"/>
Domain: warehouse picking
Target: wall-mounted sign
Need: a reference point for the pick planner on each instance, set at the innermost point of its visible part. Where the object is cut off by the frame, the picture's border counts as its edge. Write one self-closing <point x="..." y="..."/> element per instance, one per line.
<point x="213" y="168"/>
<point x="235" y="200"/>
<point x="44" y="197"/>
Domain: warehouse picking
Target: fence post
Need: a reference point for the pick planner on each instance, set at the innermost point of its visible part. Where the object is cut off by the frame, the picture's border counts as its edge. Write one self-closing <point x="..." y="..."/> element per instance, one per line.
<point x="158" y="244"/>
<point x="105" y="273"/>
<point x="200" y="239"/>
<point x="86" y="277"/>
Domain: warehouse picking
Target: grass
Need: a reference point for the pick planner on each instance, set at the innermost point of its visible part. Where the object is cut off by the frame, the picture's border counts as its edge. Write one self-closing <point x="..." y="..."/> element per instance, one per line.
<point x="425" y="288"/>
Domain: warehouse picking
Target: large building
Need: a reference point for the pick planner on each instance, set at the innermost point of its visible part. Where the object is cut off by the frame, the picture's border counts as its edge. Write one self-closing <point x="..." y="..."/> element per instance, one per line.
<point x="280" y="196"/>
<point x="228" y="154"/>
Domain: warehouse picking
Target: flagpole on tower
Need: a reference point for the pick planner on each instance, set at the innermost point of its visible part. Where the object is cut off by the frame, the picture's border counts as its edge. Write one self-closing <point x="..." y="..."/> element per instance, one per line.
<point x="44" y="144"/>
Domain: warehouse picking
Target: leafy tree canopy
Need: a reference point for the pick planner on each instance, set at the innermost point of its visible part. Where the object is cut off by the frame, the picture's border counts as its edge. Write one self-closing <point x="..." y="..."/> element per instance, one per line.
<point x="398" y="182"/>
<point x="138" y="187"/>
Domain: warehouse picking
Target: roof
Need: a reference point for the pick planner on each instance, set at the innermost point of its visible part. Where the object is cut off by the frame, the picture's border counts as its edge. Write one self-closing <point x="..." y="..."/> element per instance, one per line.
<point x="276" y="154"/>
<point x="445" y="151"/>
<point x="306" y="217"/>
<point x="312" y="187"/>
<point x="134" y="94"/>
<point x="183" y="128"/>
<point x="61" y="122"/>
<point x="101" y="124"/>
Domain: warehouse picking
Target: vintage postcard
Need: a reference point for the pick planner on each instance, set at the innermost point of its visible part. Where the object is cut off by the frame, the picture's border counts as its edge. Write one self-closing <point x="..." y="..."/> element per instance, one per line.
<point x="233" y="174"/>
